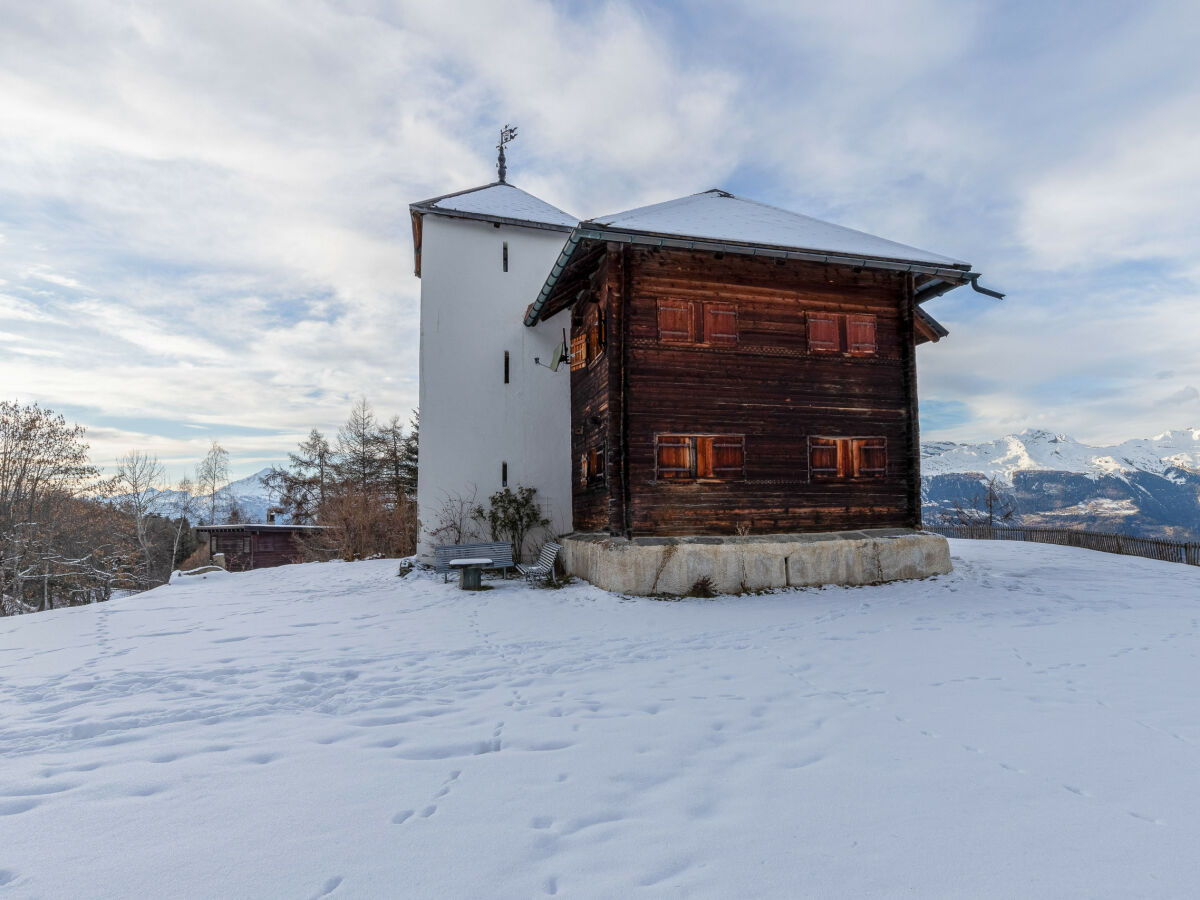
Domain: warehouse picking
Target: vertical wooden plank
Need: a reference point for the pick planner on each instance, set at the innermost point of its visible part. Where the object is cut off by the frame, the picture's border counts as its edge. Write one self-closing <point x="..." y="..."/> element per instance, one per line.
<point x="911" y="456"/>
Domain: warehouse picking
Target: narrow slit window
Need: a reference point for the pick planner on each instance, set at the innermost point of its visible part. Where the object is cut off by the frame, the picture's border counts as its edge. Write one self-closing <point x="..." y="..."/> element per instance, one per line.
<point x="506" y="367"/>
<point x="504" y="254"/>
<point x="503" y="474"/>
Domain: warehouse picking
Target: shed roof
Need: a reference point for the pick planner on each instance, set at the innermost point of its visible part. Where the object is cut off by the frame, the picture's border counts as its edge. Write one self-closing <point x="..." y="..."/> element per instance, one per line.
<point x="721" y="216"/>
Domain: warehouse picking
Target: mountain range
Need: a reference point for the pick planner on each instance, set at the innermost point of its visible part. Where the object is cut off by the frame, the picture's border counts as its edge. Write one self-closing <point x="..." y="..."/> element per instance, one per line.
<point x="1146" y="486"/>
<point x="247" y="494"/>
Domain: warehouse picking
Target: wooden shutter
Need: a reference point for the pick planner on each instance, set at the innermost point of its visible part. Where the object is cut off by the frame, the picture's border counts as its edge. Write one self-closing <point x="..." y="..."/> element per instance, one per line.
<point x="870" y="457"/>
<point x="720" y="324"/>
<point x="675" y="457"/>
<point x="596" y="463"/>
<point x="860" y="335"/>
<point x="675" y="324"/>
<point x="728" y="457"/>
<point x="823" y="332"/>
<point x="579" y="351"/>
<point x="823" y="457"/>
<point x="583" y="468"/>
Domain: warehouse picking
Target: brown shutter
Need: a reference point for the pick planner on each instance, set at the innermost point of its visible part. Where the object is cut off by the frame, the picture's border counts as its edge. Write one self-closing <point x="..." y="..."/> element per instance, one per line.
<point x="720" y="324"/>
<point x="870" y="457"/>
<point x="578" y="351"/>
<point x="860" y="335"/>
<point x="704" y="466"/>
<point x="596" y="463"/>
<point x="675" y="322"/>
<point x="729" y="457"/>
<point x="823" y="457"/>
<point x="823" y="332"/>
<point x="675" y="456"/>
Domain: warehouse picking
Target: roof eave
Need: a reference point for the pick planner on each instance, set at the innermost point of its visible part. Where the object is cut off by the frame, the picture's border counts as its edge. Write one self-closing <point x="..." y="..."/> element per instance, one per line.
<point x="419" y="210"/>
<point x="960" y="273"/>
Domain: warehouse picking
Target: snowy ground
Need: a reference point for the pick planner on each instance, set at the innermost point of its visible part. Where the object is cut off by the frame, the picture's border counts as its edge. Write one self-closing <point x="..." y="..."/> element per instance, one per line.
<point x="1028" y="726"/>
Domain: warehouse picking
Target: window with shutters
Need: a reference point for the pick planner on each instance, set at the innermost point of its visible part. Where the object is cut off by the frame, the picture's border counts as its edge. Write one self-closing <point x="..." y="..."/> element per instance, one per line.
<point x="697" y="322"/>
<point x="693" y="457"/>
<point x="596" y="464"/>
<point x="591" y="466"/>
<point x="851" y="334"/>
<point x="837" y="458"/>
<point x="597" y="337"/>
<point x="579" y="351"/>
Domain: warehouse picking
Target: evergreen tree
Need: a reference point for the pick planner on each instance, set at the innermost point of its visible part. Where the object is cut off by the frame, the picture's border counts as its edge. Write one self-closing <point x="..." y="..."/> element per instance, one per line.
<point x="302" y="487"/>
<point x="358" y="462"/>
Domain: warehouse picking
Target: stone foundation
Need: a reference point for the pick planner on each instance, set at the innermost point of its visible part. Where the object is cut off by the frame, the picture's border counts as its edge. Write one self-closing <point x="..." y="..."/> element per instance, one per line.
<point x="734" y="565"/>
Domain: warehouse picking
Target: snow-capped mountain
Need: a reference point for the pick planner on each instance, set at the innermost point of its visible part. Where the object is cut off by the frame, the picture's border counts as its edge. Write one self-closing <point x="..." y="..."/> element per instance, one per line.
<point x="1147" y="486"/>
<point x="248" y="494"/>
<point x="1042" y="450"/>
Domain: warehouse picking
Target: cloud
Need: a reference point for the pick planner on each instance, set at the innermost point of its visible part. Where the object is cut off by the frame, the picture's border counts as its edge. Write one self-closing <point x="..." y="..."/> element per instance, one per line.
<point x="204" y="206"/>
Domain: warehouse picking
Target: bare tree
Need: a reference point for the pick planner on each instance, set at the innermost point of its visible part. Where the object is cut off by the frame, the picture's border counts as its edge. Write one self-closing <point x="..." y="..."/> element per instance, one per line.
<point x="184" y="507"/>
<point x="989" y="505"/>
<point x="211" y="475"/>
<point x="138" y="485"/>
<point x="456" y="518"/>
<point x="59" y="543"/>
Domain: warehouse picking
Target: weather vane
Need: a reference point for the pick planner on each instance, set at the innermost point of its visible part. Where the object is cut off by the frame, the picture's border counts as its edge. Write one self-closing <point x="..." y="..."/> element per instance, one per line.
<point x="507" y="133"/>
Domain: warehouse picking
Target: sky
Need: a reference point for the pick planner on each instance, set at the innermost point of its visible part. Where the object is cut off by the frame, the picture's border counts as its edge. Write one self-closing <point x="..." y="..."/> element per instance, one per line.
<point x="204" y="229"/>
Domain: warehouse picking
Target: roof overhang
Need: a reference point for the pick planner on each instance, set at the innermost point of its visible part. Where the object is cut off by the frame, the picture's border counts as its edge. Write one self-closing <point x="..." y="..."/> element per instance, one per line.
<point x="944" y="277"/>
<point x="247" y="527"/>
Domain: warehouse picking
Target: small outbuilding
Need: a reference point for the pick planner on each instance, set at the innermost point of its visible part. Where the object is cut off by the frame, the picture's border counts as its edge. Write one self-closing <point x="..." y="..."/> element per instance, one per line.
<point x="255" y="546"/>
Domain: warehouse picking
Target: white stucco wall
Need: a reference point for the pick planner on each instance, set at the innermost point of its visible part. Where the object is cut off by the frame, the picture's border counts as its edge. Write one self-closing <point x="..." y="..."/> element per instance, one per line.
<point x="471" y="421"/>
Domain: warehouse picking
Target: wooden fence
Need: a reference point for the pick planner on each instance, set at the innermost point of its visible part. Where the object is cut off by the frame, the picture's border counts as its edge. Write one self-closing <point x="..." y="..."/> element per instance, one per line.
<point x="1151" y="548"/>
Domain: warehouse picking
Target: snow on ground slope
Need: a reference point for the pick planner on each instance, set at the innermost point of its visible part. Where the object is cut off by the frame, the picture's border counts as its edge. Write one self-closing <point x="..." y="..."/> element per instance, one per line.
<point x="1026" y="726"/>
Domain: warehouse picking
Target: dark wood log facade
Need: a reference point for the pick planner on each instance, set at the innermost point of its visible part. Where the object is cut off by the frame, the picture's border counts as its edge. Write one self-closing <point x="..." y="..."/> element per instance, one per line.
<point x="682" y="348"/>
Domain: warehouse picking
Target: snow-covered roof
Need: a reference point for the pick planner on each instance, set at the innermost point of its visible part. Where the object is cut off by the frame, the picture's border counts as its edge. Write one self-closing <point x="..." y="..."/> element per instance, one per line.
<point x="720" y="216"/>
<point x="499" y="202"/>
<point x="720" y="221"/>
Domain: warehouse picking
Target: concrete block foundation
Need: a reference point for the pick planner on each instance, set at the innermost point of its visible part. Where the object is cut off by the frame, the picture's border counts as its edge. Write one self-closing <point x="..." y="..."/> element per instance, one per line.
<point x="676" y="566"/>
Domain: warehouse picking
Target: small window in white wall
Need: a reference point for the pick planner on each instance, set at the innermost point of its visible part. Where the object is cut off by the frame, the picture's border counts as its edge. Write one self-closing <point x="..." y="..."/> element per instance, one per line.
<point x="503" y="474"/>
<point x="506" y="367"/>
<point x="506" y="256"/>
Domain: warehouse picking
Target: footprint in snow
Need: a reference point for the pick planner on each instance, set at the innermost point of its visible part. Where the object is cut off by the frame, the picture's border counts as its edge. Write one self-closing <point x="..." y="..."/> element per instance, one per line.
<point x="328" y="887"/>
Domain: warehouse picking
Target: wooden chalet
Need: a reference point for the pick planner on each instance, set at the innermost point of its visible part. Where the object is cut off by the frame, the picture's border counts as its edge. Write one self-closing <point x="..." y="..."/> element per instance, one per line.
<point x="740" y="369"/>
<point x="255" y="546"/>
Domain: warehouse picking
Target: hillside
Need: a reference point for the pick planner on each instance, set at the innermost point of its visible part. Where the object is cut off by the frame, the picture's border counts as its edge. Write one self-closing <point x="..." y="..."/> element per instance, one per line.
<point x="1023" y="726"/>
<point x="1148" y="486"/>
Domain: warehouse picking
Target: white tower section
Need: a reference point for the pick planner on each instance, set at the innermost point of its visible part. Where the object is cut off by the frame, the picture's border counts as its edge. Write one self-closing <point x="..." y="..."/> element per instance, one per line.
<point x="482" y="256"/>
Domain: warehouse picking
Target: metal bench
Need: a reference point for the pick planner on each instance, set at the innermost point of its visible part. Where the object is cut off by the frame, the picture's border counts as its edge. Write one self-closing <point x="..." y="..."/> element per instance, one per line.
<point x="544" y="567"/>
<point x="501" y="555"/>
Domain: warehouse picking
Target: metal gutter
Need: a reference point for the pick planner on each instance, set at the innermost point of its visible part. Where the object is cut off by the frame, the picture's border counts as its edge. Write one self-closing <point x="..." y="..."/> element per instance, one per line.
<point x="961" y="274"/>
